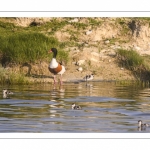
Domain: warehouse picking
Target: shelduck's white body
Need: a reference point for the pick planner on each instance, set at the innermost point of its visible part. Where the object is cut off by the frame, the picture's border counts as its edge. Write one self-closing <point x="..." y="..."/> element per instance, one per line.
<point x="55" y="67"/>
<point x="54" y="64"/>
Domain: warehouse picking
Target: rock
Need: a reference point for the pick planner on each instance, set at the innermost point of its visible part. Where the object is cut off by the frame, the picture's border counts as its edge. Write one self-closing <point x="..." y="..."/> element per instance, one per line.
<point x="115" y="47"/>
<point x="112" y="53"/>
<point x="80" y="69"/>
<point x="95" y="54"/>
<point x="95" y="60"/>
<point x="74" y="20"/>
<point x="137" y="48"/>
<point x="107" y="42"/>
<point x="80" y="62"/>
<point x="88" y="32"/>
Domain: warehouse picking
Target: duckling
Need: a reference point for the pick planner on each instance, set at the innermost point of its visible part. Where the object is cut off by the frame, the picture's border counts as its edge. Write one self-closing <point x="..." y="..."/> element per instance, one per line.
<point x="6" y="93"/>
<point x="146" y="125"/>
<point x="88" y="77"/>
<point x="142" y="125"/>
<point x="74" y="106"/>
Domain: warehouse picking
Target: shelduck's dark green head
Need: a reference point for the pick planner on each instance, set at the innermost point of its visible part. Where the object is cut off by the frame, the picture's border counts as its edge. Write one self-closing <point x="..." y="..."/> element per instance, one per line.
<point x="54" y="51"/>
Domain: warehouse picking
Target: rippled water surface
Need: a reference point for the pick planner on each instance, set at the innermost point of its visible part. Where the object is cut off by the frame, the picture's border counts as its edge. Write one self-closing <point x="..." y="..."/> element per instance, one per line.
<point x="106" y="107"/>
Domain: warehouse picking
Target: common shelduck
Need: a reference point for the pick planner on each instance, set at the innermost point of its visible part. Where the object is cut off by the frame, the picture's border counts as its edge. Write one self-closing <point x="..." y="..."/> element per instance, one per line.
<point x="88" y="77"/>
<point x="74" y="106"/>
<point x="55" y="67"/>
<point x="6" y="93"/>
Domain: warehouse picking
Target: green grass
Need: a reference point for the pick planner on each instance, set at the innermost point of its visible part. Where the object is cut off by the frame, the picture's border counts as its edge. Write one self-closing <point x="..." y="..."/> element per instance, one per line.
<point x="6" y="25"/>
<point x="79" y="26"/>
<point x="54" y="25"/>
<point x="7" y="77"/>
<point x="130" y="59"/>
<point x="143" y="18"/>
<point x="63" y="56"/>
<point x="7" y="28"/>
<point x="94" y="22"/>
<point x="122" y="23"/>
<point x="28" y="47"/>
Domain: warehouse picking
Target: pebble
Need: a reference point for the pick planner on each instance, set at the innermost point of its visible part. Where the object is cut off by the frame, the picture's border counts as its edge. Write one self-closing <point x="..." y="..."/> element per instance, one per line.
<point x="80" y="69"/>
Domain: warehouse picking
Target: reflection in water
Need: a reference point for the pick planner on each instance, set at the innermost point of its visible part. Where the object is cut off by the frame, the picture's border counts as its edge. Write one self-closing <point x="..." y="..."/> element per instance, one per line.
<point x="141" y="128"/>
<point x="106" y="107"/>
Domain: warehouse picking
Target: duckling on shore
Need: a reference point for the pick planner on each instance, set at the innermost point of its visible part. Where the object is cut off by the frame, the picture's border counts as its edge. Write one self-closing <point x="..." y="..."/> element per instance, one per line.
<point x="88" y="77"/>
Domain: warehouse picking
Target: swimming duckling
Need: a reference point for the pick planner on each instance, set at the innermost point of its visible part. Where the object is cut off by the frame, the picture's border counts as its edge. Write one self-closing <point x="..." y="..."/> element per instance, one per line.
<point x="146" y="125"/>
<point x="74" y="106"/>
<point x="6" y="93"/>
<point x="142" y="126"/>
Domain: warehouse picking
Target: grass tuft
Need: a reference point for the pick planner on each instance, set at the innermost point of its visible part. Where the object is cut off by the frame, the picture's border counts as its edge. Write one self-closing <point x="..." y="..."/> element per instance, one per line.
<point x="27" y="47"/>
<point x="131" y="60"/>
<point x="7" y="77"/>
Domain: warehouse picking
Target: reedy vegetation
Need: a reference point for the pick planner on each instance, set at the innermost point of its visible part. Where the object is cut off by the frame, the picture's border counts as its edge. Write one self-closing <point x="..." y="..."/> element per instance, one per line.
<point x="28" y="47"/>
<point x="131" y="60"/>
<point x="7" y="77"/>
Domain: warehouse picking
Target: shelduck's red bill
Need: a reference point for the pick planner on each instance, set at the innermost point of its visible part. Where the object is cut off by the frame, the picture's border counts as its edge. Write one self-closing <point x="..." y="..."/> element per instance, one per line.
<point x="50" y="51"/>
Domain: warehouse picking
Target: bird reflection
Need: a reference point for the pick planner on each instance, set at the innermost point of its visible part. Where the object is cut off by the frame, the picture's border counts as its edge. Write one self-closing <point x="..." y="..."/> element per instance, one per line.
<point x="58" y="91"/>
<point x="89" y="85"/>
<point x="141" y="128"/>
<point x="89" y="88"/>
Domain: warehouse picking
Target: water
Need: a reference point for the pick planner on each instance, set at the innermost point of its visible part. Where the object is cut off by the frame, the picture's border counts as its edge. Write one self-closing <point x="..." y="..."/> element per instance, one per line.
<point x="107" y="107"/>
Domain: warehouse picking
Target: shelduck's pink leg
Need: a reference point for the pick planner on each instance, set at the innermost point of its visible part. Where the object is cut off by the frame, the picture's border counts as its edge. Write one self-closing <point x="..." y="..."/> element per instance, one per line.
<point x="54" y="80"/>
